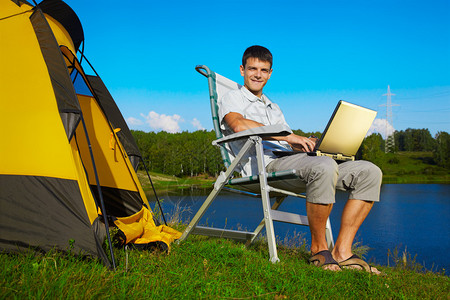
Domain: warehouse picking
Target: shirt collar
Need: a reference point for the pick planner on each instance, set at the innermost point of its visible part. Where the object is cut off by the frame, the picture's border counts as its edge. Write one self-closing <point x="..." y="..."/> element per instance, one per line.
<point x="252" y="98"/>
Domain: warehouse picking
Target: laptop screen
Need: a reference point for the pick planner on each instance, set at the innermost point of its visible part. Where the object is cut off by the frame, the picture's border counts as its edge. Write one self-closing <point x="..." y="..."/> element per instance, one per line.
<point x="346" y="129"/>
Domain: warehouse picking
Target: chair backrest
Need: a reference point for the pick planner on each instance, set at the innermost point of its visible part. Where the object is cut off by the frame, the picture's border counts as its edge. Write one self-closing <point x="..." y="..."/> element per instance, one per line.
<point x="218" y="86"/>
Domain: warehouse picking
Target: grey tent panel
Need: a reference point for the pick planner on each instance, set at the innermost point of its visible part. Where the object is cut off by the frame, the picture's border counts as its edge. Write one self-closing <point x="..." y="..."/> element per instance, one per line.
<point x="47" y="213"/>
<point x="68" y="105"/>
<point x="62" y="12"/>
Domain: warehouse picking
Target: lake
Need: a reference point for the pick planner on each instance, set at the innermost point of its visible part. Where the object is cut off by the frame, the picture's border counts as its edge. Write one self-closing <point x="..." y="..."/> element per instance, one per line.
<point x="411" y="217"/>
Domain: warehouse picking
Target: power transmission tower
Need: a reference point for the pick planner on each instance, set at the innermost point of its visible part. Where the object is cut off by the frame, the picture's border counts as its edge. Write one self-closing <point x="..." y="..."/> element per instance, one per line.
<point x="389" y="145"/>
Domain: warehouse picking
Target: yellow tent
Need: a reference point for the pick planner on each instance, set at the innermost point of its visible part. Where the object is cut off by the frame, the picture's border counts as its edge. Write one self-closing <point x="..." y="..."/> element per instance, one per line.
<point x="67" y="157"/>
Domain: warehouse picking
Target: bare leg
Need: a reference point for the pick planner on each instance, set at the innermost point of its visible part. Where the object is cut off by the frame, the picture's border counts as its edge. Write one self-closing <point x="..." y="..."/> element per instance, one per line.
<point x="317" y="218"/>
<point x="354" y="214"/>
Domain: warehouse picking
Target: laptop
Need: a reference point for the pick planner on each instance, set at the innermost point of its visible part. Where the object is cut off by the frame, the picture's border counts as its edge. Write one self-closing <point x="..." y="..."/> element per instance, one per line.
<point x="343" y="134"/>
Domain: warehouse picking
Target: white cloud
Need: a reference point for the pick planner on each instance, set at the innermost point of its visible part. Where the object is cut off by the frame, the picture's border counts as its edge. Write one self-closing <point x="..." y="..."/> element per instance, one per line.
<point x="196" y="123"/>
<point x="134" y="122"/>
<point x="380" y="126"/>
<point x="163" y="122"/>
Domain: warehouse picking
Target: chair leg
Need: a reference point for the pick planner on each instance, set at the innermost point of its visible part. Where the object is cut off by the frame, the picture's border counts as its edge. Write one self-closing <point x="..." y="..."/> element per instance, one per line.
<point x="278" y="201"/>
<point x="220" y="183"/>
<point x="258" y="229"/>
<point x="271" y="238"/>
<point x="329" y="235"/>
<point x="268" y="223"/>
<point x="199" y="215"/>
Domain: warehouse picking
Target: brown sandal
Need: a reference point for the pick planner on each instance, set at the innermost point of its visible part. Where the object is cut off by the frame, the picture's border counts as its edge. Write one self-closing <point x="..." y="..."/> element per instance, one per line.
<point x="355" y="260"/>
<point x="322" y="259"/>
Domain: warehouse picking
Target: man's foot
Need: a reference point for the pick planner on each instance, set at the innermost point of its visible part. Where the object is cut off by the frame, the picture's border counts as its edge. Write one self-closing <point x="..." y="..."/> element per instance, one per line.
<point x="355" y="262"/>
<point x="323" y="259"/>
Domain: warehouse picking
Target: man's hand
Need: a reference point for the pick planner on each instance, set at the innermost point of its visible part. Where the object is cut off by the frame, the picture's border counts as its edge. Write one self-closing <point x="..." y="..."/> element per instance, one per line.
<point x="301" y="143"/>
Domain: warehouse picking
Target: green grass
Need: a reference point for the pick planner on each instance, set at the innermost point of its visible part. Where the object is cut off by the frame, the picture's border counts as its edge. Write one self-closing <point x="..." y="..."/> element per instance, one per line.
<point x="163" y="182"/>
<point x="205" y="268"/>
<point x="412" y="167"/>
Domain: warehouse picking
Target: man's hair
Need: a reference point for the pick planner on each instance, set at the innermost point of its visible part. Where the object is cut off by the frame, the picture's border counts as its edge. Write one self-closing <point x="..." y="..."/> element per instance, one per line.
<point x="259" y="52"/>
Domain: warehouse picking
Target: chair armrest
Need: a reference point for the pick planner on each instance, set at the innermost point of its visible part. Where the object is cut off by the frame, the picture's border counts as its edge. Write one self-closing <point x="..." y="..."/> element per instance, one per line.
<point x="263" y="131"/>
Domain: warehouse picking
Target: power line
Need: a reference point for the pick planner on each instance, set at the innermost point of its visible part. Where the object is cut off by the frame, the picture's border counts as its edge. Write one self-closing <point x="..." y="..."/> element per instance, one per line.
<point x="436" y="110"/>
<point x="435" y="95"/>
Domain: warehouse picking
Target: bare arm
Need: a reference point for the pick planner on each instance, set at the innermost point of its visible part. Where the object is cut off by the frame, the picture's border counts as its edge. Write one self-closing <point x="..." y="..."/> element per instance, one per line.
<point x="238" y="123"/>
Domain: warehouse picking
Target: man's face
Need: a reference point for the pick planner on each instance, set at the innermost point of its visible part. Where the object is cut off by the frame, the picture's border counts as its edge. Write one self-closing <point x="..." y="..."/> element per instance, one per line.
<point x="256" y="73"/>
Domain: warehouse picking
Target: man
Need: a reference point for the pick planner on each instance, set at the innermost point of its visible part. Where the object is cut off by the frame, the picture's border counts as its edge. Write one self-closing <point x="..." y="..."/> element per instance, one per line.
<point x="247" y="108"/>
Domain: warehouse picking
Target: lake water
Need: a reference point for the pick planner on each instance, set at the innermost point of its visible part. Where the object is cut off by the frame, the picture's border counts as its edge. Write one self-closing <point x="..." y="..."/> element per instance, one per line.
<point x="411" y="217"/>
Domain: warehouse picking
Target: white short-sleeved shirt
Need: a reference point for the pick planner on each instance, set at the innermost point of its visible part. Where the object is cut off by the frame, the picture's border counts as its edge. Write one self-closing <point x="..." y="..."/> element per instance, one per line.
<point x="251" y="107"/>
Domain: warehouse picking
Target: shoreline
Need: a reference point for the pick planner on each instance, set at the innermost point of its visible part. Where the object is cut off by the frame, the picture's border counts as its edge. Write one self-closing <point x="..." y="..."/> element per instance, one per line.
<point x="166" y="183"/>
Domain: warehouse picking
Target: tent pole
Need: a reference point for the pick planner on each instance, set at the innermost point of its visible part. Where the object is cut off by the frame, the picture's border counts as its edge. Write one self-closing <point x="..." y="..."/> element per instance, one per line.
<point x="154" y="191"/>
<point x="85" y="58"/>
<point x="99" y="190"/>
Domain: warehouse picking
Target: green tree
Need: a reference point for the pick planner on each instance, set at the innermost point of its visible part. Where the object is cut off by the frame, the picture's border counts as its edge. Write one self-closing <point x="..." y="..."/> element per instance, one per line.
<point x="307" y="134"/>
<point x="372" y="148"/>
<point x="442" y="151"/>
<point x="414" y="140"/>
<point x="180" y="154"/>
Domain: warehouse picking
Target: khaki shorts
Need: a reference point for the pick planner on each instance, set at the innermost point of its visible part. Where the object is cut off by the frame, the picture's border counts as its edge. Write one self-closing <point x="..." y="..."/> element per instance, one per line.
<point x="322" y="176"/>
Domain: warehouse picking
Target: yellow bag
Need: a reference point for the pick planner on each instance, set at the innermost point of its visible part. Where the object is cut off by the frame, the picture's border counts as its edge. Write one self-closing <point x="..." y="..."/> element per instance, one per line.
<point x="140" y="231"/>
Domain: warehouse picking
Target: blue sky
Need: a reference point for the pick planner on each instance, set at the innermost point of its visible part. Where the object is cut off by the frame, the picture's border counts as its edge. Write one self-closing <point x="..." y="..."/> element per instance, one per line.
<point x="324" y="51"/>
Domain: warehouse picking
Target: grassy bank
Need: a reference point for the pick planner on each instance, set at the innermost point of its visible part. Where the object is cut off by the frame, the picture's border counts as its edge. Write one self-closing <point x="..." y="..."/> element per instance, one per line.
<point x="164" y="182"/>
<point x="412" y="167"/>
<point x="203" y="268"/>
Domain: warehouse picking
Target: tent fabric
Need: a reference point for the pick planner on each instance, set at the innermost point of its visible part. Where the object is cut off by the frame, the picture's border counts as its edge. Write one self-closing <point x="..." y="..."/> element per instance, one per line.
<point x="30" y="120"/>
<point x="62" y="13"/>
<point x="120" y="187"/>
<point x="62" y="85"/>
<point x="19" y="2"/>
<point x="115" y="117"/>
<point x="43" y="214"/>
<point x="99" y="90"/>
<point x="120" y="203"/>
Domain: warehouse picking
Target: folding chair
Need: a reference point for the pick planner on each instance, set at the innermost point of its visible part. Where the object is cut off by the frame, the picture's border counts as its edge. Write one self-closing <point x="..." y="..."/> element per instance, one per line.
<point x="262" y="185"/>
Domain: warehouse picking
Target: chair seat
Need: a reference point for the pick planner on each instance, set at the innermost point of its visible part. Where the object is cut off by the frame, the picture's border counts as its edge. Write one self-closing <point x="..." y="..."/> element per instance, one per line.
<point x="273" y="176"/>
<point x="286" y="180"/>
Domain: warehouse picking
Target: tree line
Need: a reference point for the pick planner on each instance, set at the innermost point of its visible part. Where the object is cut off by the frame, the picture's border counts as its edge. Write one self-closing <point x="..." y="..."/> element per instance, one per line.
<point x="411" y="140"/>
<point x="180" y="154"/>
<point x="192" y="154"/>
